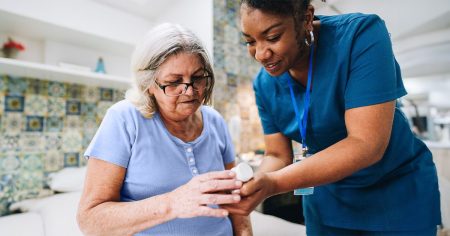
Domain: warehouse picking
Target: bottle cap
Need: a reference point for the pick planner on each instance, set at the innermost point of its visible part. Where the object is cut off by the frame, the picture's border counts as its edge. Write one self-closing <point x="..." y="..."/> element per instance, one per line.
<point x="243" y="171"/>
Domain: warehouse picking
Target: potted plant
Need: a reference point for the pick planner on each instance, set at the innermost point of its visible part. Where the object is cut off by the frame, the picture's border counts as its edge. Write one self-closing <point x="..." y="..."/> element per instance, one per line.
<point x="11" y="48"/>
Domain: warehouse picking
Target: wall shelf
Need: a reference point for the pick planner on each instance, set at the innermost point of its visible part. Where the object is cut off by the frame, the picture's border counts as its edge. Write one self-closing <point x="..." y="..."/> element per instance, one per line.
<point x="53" y="73"/>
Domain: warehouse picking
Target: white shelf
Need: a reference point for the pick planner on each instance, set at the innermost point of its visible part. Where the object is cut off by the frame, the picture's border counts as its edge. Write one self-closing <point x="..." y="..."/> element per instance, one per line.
<point x="53" y="73"/>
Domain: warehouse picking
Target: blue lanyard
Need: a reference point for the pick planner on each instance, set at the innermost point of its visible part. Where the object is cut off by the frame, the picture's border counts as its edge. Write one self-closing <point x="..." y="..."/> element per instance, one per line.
<point x="302" y="122"/>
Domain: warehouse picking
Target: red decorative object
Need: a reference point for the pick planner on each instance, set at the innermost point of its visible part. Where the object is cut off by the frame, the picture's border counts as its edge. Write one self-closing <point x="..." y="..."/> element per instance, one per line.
<point x="11" y="48"/>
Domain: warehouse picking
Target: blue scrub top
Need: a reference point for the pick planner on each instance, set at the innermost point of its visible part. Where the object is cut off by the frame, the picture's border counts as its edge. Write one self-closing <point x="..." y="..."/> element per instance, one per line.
<point x="354" y="66"/>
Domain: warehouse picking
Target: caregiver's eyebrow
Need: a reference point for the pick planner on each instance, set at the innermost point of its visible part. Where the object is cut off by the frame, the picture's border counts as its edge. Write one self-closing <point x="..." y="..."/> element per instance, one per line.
<point x="266" y="31"/>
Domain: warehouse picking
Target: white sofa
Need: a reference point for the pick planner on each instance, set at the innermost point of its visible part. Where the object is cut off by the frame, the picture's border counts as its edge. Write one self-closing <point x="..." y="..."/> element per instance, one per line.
<point x="55" y="216"/>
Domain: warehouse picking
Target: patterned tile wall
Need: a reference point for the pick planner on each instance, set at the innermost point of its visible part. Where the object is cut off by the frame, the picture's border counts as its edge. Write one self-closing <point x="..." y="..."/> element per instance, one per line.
<point x="235" y="69"/>
<point x="44" y="127"/>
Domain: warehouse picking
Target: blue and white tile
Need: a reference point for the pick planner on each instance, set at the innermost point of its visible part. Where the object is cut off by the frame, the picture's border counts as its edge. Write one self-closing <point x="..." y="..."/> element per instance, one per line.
<point x="71" y="159"/>
<point x="56" y="106"/>
<point x="12" y="123"/>
<point x="102" y="107"/>
<point x="72" y="123"/>
<point x="16" y="85"/>
<point x="106" y="94"/>
<point x="14" y="103"/>
<point x="2" y="102"/>
<point x="34" y="123"/>
<point x="89" y="109"/>
<point x="9" y="163"/>
<point x="9" y="143"/>
<point x="53" y="141"/>
<point x="32" y="142"/>
<point x="73" y="107"/>
<point x="54" y="124"/>
<point x="71" y="141"/>
<point x="53" y="160"/>
<point x="38" y="87"/>
<point x="36" y="105"/>
<point x="91" y="94"/>
<point x="56" y="89"/>
<point x="32" y="162"/>
<point x="74" y="91"/>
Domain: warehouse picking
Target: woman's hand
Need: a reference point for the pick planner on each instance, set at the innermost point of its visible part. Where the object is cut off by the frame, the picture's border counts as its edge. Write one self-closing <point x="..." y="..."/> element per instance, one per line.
<point x="253" y="193"/>
<point x="193" y="198"/>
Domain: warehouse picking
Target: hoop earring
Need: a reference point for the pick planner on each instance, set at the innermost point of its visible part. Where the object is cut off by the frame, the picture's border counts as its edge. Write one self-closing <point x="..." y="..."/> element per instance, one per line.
<point x="312" y="39"/>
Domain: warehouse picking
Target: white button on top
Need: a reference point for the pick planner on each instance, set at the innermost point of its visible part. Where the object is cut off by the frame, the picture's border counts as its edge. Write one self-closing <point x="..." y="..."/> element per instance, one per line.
<point x="188" y="149"/>
<point x="191" y="160"/>
<point x="195" y="171"/>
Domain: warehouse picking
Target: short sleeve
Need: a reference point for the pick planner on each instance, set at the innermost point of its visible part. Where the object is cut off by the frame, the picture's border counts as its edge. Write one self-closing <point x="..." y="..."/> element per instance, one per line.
<point x="228" y="153"/>
<point x="112" y="142"/>
<point x="267" y="122"/>
<point x="374" y="75"/>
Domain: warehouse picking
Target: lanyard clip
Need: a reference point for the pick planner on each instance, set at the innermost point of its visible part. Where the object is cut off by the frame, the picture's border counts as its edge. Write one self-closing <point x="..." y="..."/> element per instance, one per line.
<point x="304" y="151"/>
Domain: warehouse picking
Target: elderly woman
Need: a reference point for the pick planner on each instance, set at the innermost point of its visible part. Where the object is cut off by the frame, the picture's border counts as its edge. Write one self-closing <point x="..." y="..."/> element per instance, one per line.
<point x="157" y="163"/>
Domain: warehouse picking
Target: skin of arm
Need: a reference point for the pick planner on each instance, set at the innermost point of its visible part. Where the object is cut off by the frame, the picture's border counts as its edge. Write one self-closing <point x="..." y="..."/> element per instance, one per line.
<point x="101" y="212"/>
<point x="368" y="128"/>
<point x="241" y="224"/>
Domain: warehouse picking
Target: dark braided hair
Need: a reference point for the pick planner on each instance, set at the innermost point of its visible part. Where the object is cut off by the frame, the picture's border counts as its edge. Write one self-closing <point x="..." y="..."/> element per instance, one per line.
<point x="294" y="8"/>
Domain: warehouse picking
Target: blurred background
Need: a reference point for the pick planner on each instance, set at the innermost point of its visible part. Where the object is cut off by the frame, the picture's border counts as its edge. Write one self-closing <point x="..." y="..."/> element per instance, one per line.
<point x="65" y="62"/>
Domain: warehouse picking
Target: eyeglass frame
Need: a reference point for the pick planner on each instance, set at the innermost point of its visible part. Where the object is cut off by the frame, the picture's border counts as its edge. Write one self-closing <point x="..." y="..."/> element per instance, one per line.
<point x="187" y="85"/>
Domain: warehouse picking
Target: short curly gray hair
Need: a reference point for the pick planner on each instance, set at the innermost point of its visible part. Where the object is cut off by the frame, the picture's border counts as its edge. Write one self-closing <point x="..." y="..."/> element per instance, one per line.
<point x="158" y="45"/>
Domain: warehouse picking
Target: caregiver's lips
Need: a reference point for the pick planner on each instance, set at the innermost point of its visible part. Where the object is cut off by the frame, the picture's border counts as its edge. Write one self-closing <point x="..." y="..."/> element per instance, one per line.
<point x="272" y="67"/>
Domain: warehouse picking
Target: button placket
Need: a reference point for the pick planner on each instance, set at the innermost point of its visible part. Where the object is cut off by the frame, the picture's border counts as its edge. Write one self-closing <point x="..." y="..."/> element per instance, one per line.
<point x="191" y="160"/>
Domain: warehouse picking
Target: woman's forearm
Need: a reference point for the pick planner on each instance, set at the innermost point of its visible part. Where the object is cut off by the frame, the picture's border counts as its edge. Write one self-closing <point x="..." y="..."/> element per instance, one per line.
<point x="330" y="165"/>
<point x="124" y="218"/>
<point x="242" y="225"/>
<point x="271" y="163"/>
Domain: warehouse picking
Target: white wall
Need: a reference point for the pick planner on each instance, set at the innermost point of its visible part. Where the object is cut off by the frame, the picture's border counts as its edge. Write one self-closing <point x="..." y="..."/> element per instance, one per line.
<point x="196" y="15"/>
<point x="82" y="15"/>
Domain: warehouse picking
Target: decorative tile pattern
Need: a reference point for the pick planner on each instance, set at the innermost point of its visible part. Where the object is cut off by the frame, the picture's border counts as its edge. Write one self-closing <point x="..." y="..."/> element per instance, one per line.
<point x="32" y="142"/>
<point x="73" y="107"/>
<point x="71" y="159"/>
<point x="234" y="72"/>
<point x="36" y="105"/>
<point x="2" y="101"/>
<point x="12" y="123"/>
<point x="14" y="103"/>
<point x="34" y="124"/>
<point x="9" y="143"/>
<point x="56" y="89"/>
<point x="44" y="127"/>
<point x="56" y="106"/>
<point x="54" y="124"/>
<point x="106" y="94"/>
<point x="16" y="86"/>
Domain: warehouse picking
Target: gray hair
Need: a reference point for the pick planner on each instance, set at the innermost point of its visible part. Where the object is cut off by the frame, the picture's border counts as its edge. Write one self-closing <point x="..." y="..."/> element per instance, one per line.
<point x="158" y="45"/>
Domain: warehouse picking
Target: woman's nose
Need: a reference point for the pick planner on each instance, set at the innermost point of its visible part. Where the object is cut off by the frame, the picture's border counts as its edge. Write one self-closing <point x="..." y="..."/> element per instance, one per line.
<point x="262" y="53"/>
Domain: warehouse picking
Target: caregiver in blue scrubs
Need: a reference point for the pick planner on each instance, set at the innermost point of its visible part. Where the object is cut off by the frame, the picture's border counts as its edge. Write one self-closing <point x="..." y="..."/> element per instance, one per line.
<point x="331" y="83"/>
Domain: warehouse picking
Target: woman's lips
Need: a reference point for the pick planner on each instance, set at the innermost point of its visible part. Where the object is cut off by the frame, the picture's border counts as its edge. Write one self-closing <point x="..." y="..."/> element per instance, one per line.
<point x="271" y="67"/>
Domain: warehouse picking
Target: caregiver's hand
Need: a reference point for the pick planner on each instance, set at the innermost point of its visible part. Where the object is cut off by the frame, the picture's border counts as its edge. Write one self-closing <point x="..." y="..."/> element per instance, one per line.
<point x="192" y="198"/>
<point x="253" y="192"/>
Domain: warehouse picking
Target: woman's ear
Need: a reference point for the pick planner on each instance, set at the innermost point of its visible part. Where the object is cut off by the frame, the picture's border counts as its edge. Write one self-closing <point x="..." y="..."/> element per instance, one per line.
<point x="309" y="18"/>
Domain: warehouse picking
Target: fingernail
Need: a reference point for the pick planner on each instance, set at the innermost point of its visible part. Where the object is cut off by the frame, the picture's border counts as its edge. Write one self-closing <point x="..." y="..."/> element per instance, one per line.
<point x="236" y="191"/>
<point x="231" y="173"/>
<point x="237" y="198"/>
<point x="225" y="213"/>
<point x="238" y="183"/>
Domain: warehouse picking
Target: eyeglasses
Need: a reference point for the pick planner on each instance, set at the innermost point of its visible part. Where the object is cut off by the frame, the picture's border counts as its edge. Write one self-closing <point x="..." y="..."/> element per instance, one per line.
<point x="197" y="83"/>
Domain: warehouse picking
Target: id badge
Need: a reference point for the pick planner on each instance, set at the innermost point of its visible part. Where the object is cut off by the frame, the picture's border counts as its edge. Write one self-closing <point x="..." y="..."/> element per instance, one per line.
<point x="299" y="157"/>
